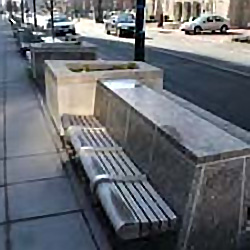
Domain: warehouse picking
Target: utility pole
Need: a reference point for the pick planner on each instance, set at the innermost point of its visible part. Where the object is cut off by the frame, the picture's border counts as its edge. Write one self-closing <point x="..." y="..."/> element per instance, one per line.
<point x="52" y="18"/>
<point x="22" y="10"/>
<point x="34" y="10"/>
<point x="139" y="54"/>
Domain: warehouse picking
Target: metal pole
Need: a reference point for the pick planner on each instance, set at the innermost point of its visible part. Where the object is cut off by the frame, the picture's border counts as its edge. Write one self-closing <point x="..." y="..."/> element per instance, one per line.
<point x="34" y="10"/>
<point x="22" y="10"/>
<point x="139" y="54"/>
<point x="52" y="18"/>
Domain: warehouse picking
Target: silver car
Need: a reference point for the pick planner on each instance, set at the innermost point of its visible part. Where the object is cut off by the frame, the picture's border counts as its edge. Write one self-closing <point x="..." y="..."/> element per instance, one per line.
<point x="206" y="23"/>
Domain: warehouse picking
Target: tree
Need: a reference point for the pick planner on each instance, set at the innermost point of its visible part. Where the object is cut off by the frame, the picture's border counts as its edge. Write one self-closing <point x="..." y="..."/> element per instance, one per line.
<point x="98" y="11"/>
<point x="15" y="7"/>
<point x="9" y="6"/>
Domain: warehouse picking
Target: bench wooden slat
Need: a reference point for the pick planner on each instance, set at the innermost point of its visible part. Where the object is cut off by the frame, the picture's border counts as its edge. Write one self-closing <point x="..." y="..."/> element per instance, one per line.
<point x="124" y="192"/>
<point x="124" y="220"/>
<point x="157" y="199"/>
<point x="141" y="201"/>
<point x="137" y="196"/>
<point x="160" y="203"/>
<point x="123" y="189"/>
<point x="150" y="207"/>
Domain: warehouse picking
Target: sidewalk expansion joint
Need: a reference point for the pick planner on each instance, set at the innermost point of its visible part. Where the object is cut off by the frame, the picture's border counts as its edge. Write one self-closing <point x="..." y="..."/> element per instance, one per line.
<point x="34" y="155"/>
<point x="73" y="211"/>
<point x="35" y="180"/>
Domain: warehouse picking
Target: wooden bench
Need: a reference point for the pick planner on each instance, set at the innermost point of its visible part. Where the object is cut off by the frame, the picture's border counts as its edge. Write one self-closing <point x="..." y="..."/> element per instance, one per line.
<point x="132" y="205"/>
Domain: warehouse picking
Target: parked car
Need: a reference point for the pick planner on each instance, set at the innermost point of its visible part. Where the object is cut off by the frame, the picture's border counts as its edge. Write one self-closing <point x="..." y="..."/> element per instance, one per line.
<point x="62" y="25"/>
<point x="121" y="25"/>
<point x="206" y="23"/>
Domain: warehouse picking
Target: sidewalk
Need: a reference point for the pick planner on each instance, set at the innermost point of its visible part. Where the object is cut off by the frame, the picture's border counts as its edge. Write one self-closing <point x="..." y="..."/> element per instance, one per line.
<point x="38" y="207"/>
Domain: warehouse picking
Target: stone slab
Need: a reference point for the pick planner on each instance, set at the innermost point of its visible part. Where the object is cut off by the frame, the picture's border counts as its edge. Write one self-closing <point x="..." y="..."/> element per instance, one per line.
<point x="1" y="149"/>
<point x="27" y="132"/>
<point x="58" y="51"/>
<point x="221" y="188"/>
<point x="2" y="205"/>
<point x="33" y="168"/>
<point x="2" y="238"/>
<point x="74" y="92"/>
<point x="40" y="198"/>
<point x="200" y="139"/>
<point x="1" y="173"/>
<point x="66" y="232"/>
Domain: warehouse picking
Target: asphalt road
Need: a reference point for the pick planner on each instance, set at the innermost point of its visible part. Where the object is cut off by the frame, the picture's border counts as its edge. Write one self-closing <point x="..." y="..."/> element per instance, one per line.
<point x="221" y="87"/>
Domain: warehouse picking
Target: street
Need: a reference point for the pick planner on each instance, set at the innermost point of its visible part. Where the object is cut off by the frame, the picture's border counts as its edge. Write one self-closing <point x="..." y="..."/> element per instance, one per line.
<point x="212" y="75"/>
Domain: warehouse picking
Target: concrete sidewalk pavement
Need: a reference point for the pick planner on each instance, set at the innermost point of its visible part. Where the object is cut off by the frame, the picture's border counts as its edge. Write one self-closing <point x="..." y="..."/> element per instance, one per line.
<point x="38" y="207"/>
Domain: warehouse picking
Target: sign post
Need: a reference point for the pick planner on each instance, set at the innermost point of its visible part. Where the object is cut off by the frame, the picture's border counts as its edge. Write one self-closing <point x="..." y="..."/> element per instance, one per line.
<point x="22" y="10"/>
<point x="52" y="18"/>
<point x="34" y="10"/>
<point x="139" y="54"/>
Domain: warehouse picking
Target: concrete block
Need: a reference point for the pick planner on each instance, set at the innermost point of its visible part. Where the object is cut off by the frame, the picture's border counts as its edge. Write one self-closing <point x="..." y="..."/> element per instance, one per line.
<point x="71" y="85"/>
<point x="201" y="170"/>
<point x="58" y="51"/>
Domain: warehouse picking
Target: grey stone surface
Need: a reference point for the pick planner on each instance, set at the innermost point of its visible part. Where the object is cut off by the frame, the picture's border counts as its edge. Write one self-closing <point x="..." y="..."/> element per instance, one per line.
<point x="27" y="133"/>
<point x="14" y="61"/>
<point x="200" y="139"/>
<point x="2" y="238"/>
<point x="73" y="92"/>
<point x="139" y="140"/>
<point x="1" y="120"/>
<point x="67" y="232"/>
<point x="118" y="115"/>
<point x="1" y="173"/>
<point x="218" y="208"/>
<point x="1" y="149"/>
<point x="247" y="190"/>
<point x="40" y="198"/>
<point x="101" y="104"/>
<point x="171" y="173"/>
<point x="2" y="205"/>
<point x="33" y="168"/>
<point x="58" y="51"/>
<point x="188" y="212"/>
<point x="17" y="93"/>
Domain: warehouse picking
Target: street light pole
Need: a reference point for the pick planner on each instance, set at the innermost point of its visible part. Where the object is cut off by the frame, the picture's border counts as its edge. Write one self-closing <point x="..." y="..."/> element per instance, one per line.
<point x="52" y="18"/>
<point x="34" y="10"/>
<point x="22" y="10"/>
<point x="139" y="53"/>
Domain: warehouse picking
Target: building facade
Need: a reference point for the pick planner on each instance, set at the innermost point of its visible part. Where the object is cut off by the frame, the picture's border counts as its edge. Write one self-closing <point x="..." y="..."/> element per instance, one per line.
<point x="238" y="11"/>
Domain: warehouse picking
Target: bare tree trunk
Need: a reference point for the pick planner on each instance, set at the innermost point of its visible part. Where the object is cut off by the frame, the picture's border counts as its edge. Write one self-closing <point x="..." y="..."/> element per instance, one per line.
<point x="98" y="11"/>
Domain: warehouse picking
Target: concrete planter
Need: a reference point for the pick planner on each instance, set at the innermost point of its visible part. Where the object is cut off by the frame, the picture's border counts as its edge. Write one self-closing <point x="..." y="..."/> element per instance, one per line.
<point x="201" y="170"/>
<point x="73" y="92"/>
<point x="58" y="51"/>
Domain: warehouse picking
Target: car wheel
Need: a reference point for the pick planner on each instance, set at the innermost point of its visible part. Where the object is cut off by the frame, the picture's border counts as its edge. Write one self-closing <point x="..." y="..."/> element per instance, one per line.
<point x="197" y="30"/>
<point x="108" y="32"/>
<point x="187" y="32"/>
<point x="224" y="29"/>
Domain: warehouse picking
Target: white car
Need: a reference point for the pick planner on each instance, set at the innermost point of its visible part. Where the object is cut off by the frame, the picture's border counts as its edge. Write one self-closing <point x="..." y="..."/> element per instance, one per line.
<point x="62" y="25"/>
<point x="206" y="23"/>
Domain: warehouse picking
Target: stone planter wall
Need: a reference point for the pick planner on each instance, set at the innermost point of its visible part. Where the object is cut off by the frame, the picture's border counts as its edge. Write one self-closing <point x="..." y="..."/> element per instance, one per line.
<point x="58" y="51"/>
<point x="202" y="171"/>
<point x="74" y="92"/>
